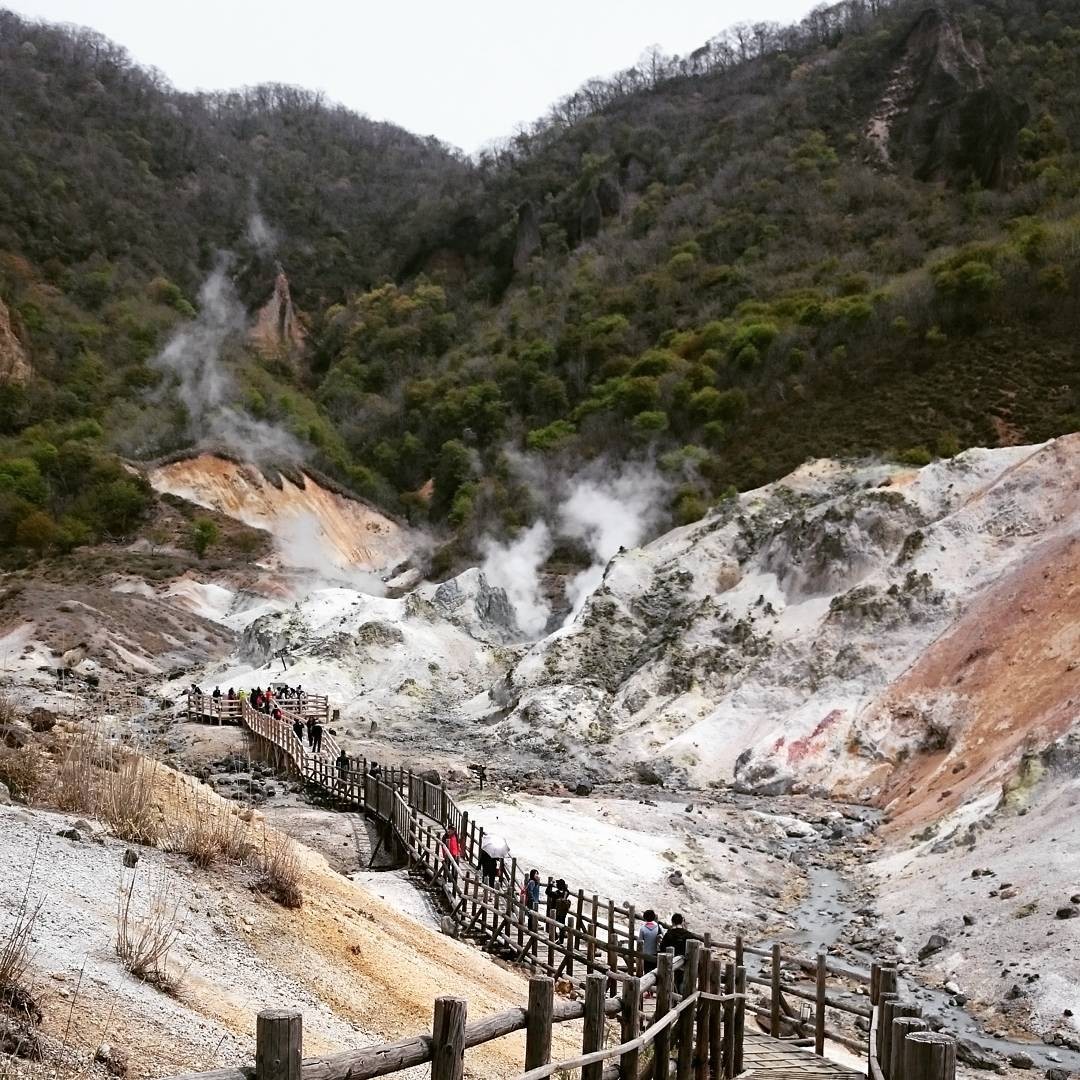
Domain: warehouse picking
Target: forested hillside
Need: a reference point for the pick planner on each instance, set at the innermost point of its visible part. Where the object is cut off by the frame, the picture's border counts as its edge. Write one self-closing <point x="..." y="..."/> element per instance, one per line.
<point x="855" y="235"/>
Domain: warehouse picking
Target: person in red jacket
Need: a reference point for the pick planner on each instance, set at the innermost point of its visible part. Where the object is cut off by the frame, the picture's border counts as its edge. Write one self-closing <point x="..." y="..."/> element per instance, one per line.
<point x="453" y="849"/>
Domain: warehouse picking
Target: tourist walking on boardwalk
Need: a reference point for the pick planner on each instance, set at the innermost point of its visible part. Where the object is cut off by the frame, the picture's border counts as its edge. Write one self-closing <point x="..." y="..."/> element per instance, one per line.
<point x="298" y="730"/>
<point x="558" y="903"/>
<point x="648" y="936"/>
<point x="675" y="938"/>
<point x="316" y="737"/>
<point x="493" y="851"/>
<point x="453" y="850"/>
<point x="311" y="731"/>
<point x="531" y="891"/>
<point x="343" y="768"/>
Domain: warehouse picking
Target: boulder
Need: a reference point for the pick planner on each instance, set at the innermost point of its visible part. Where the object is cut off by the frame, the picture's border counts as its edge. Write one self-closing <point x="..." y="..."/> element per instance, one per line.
<point x="583" y="789"/>
<point x="5" y="795"/>
<point x="1021" y="1060"/>
<point x="1069" y="912"/>
<point x="70" y="834"/>
<point x="131" y="857"/>
<point x="934" y="944"/>
<point x="482" y="610"/>
<point x="41" y="719"/>
<point x="971" y="1053"/>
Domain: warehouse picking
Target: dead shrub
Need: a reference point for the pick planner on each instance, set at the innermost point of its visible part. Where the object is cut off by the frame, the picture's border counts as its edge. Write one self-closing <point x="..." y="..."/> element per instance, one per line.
<point x="207" y="834"/>
<point x="282" y="876"/>
<point x="15" y="956"/>
<point x="103" y="780"/>
<point x="145" y="938"/>
<point x="23" y="770"/>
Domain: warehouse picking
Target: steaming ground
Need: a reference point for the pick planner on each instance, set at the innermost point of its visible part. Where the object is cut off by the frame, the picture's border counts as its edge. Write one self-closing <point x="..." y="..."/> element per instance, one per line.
<point x="870" y="633"/>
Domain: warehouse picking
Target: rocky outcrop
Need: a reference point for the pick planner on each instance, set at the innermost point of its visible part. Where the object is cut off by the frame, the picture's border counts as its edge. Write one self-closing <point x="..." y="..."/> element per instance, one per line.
<point x="14" y="363"/>
<point x="527" y="243"/>
<point x="277" y="329"/>
<point x="941" y="113"/>
<point x="481" y="610"/>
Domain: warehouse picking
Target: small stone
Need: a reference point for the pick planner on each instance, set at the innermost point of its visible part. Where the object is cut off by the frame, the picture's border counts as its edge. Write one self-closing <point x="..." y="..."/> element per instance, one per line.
<point x="969" y="920"/>
<point x="934" y="944"/>
<point x="1067" y="912"/>
<point x="971" y="1053"/>
<point x="1014" y="992"/>
<point x="583" y="789"/>
<point x="675" y="878"/>
<point x="131" y="857"/>
<point x="951" y="987"/>
<point x="5" y="795"/>
<point x="1006" y="893"/>
<point x="1021" y="1060"/>
<point x="70" y="834"/>
<point x="1054" y="1073"/>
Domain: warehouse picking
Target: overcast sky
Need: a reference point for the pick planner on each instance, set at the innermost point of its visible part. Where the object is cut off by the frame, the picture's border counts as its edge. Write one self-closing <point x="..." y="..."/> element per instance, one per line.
<point x="464" y="70"/>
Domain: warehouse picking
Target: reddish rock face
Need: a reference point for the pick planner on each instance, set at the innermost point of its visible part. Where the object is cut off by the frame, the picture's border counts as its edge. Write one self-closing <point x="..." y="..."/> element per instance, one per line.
<point x="14" y="364"/>
<point x="277" y="328"/>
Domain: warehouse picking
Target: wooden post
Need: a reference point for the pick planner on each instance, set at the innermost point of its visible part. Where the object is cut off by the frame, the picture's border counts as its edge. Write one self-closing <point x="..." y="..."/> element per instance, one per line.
<point x="875" y="982"/>
<point x="612" y="945"/>
<point x="716" y="1049"/>
<point x="590" y="948"/>
<point x="740" y="1017"/>
<point x="883" y="1000"/>
<point x="819" y="1005"/>
<point x="448" y="1039"/>
<point x="665" y="984"/>
<point x="278" y="1044"/>
<point x="701" y="1050"/>
<point x="569" y="943"/>
<point x="686" y="1020"/>
<point x="891" y="1011"/>
<point x="929" y="1055"/>
<point x="886" y="981"/>
<point x="538" y="1022"/>
<point x="739" y="958"/>
<point x="631" y="943"/>
<point x="774" y="1004"/>
<point x="592" y="1038"/>
<point x="902" y="1026"/>
<point x="630" y="1016"/>
<point x="728" y="1050"/>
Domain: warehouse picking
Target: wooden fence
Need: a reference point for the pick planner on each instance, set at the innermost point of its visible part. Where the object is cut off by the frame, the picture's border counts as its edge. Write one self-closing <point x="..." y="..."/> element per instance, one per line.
<point x="702" y="998"/>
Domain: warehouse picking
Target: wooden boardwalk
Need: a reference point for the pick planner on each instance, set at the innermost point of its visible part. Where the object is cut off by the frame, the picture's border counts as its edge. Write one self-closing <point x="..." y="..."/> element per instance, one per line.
<point x="591" y="953"/>
<point x="766" y="1058"/>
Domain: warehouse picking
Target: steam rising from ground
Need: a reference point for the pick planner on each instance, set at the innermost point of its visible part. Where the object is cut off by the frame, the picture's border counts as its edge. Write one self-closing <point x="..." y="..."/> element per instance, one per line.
<point x="193" y="355"/>
<point x="603" y="507"/>
<point x="302" y="544"/>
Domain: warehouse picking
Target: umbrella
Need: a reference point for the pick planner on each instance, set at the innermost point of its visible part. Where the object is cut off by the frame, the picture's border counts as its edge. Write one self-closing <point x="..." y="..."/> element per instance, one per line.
<point x="495" y="846"/>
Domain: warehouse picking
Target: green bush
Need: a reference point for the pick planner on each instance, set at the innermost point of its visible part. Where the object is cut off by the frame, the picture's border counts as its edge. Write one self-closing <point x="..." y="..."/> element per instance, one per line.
<point x="202" y="535"/>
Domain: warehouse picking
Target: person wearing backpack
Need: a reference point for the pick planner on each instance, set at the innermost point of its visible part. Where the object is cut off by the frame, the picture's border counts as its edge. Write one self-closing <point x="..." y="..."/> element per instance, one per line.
<point x="675" y="938"/>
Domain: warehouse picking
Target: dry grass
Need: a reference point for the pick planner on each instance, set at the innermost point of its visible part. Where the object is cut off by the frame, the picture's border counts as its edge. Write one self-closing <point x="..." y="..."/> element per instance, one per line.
<point x="23" y="770"/>
<point x="145" y="938"/>
<point x="15" y="956"/>
<point x="209" y="833"/>
<point x="282" y="876"/>
<point x="101" y="779"/>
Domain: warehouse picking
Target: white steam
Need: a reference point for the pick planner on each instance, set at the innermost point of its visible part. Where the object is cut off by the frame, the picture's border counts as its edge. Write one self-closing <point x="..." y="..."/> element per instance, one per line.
<point x="261" y="235"/>
<point x="515" y="567"/>
<point x="601" y="507"/>
<point x="302" y="544"/>
<point x="608" y="512"/>
<point x="204" y="384"/>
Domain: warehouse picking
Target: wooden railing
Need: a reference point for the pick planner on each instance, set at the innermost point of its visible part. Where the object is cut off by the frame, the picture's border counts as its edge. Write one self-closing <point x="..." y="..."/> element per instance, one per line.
<point x="901" y="1045"/>
<point x="594" y="948"/>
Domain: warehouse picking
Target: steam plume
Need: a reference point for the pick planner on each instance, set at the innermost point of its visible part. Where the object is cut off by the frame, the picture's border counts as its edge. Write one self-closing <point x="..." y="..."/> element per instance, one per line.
<point x="205" y="386"/>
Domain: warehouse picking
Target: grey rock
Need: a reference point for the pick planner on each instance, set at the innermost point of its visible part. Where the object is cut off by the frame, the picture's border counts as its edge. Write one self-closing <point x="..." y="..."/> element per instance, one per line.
<point x="70" y="834"/>
<point x="1069" y="912"/>
<point x="934" y="944"/>
<point x="1021" y="1060"/>
<point x="5" y="795"/>
<point x="969" y="920"/>
<point x="1055" y="1073"/>
<point x="131" y="857"/>
<point x="675" y="878"/>
<point x="971" y="1053"/>
<point x="583" y="788"/>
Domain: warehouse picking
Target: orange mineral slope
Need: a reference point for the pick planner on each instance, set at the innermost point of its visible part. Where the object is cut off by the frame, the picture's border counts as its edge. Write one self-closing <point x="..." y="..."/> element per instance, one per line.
<point x="349" y="532"/>
<point x="1006" y="678"/>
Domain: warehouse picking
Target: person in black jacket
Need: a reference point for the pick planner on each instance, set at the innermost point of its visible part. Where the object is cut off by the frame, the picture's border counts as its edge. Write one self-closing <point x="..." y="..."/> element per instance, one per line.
<point x="675" y="937"/>
<point x="558" y="903"/>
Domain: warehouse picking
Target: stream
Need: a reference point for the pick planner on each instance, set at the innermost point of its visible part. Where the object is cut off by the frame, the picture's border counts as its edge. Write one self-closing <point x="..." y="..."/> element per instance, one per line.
<point x="821" y="918"/>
